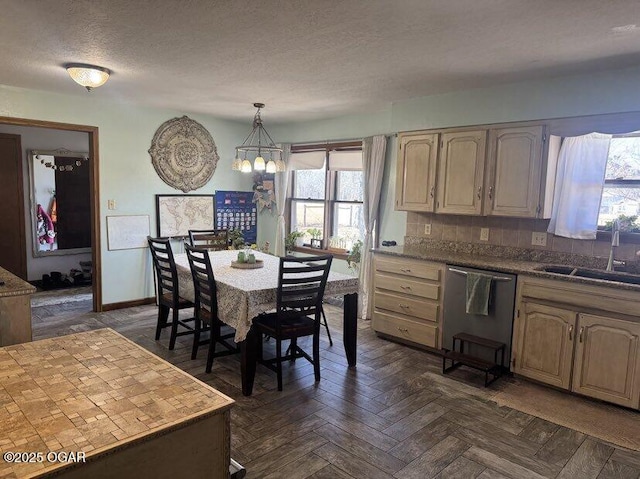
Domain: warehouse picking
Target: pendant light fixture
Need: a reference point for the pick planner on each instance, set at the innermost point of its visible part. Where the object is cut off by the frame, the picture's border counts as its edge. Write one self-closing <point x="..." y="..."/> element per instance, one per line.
<point x="89" y="76"/>
<point x="260" y="144"/>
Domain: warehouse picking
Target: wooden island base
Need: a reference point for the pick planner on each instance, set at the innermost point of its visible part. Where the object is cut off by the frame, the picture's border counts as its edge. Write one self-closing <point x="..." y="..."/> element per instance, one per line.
<point x="132" y="414"/>
<point x="15" y="309"/>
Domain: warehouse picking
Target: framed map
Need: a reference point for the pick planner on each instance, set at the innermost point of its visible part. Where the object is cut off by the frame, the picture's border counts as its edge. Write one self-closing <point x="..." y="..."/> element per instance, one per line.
<point x="127" y="232"/>
<point x="177" y="214"/>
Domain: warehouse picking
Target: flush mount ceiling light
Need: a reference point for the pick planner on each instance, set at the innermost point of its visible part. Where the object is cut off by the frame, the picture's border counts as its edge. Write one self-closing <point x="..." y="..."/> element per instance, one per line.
<point x="89" y="76"/>
<point x="254" y="146"/>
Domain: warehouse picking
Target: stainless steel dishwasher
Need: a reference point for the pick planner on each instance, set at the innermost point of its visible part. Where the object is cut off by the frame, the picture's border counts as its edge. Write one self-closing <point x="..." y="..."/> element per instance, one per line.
<point x="497" y="325"/>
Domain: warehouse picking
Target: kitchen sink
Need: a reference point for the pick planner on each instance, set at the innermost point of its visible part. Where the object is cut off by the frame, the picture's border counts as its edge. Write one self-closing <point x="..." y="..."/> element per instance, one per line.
<point x="592" y="274"/>
<point x="558" y="269"/>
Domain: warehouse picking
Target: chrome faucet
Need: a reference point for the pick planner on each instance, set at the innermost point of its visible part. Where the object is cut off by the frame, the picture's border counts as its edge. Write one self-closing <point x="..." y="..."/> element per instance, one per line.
<point x="615" y="241"/>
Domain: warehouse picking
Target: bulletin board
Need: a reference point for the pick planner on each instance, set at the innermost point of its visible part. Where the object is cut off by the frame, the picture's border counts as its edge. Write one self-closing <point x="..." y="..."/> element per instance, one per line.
<point x="235" y="210"/>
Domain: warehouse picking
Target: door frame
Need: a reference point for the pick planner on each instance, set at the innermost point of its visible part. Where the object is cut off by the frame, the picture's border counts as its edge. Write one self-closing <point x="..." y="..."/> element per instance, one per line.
<point x="94" y="192"/>
<point x="21" y="209"/>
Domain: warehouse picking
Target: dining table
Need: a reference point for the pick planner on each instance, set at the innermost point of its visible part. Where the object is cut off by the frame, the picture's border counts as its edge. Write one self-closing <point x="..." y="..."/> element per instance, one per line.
<point x="245" y="293"/>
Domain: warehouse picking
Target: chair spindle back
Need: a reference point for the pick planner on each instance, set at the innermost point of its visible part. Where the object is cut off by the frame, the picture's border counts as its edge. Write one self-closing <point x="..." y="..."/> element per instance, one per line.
<point x="204" y="283"/>
<point x="213" y="240"/>
<point x="301" y="283"/>
<point x="165" y="267"/>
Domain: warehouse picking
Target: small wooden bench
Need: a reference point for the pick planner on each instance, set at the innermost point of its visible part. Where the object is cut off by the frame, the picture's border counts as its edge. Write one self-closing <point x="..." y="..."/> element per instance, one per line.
<point x="459" y="358"/>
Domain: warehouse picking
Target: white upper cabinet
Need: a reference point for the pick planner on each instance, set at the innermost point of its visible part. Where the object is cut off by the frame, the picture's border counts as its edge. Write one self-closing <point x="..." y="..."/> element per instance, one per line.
<point x="416" y="171"/>
<point x="514" y="171"/>
<point x="460" y="172"/>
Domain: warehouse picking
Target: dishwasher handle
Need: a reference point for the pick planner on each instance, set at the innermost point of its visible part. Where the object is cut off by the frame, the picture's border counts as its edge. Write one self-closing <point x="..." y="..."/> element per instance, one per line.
<point x="494" y="278"/>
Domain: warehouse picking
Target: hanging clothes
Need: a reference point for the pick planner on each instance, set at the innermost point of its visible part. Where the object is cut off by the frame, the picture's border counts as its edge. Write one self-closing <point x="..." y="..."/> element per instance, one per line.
<point x="54" y="210"/>
<point x="46" y="232"/>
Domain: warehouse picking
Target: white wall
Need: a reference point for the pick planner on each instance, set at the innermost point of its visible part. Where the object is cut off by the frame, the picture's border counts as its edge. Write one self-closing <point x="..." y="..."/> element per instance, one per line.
<point x="33" y="138"/>
<point x="126" y="172"/>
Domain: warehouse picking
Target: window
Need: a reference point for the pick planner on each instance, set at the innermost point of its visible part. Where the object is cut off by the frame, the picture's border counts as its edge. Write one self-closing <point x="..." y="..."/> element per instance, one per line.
<point x="326" y="202"/>
<point x="621" y="193"/>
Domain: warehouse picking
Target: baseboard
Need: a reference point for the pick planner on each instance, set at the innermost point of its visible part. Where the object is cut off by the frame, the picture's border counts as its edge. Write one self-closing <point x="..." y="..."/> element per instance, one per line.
<point x="128" y="304"/>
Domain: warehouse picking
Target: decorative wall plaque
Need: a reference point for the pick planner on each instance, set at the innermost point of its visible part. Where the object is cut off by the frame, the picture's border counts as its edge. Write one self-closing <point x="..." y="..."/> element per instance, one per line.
<point x="183" y="154"/>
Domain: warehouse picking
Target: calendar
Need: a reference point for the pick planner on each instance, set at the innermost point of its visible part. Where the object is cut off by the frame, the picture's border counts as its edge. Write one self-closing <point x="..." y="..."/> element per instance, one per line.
<point x="235" y="210"/>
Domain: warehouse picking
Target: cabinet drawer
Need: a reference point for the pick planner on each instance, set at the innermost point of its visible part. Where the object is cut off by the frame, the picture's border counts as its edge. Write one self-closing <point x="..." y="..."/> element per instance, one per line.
<point x="406" y="267"/>
<point x="407" y="286"/>
<point x="412" y="307"/>
<point x="413" y="331"/>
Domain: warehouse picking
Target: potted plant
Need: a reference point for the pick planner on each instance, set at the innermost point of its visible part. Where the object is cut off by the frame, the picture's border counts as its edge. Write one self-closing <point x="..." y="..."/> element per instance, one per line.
<point x="353" y="258"/>
<point x="236" y="239"/>
<point x="291" y="239"/>
<point x="316" y="237"/>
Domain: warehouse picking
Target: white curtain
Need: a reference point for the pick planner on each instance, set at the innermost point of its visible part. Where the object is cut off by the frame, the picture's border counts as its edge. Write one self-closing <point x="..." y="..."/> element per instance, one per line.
<point x="579" y="181"/>
<point x="282" y="184"/>
<point x="373" y="155"/>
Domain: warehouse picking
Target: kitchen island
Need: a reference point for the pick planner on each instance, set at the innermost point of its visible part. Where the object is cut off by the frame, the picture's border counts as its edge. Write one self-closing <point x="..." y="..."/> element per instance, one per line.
<point x="15" y="309"/>
<point x="95" y="404"/>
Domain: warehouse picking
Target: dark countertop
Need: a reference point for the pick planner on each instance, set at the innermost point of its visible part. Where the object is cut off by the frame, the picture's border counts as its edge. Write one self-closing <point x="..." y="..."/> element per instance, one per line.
<point x="494" y="263"/>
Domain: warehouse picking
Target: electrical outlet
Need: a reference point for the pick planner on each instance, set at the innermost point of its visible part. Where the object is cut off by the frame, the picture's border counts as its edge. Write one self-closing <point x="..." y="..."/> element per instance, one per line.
<point x="484" y="234"/>
<point x="427" y="229"/>
<point x="111" y="204"/>
<point x="539" y="239"/>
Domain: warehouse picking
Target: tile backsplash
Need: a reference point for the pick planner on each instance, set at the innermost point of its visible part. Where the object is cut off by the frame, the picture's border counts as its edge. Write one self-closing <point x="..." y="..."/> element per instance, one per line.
<point x="509" y="232"/>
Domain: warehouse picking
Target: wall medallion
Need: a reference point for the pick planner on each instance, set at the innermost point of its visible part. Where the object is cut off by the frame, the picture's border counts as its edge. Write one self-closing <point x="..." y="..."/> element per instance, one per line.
<point x="183" y="154"/>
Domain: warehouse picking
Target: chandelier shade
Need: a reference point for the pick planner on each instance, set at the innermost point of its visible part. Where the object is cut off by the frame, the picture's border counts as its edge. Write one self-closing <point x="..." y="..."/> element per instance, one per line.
<point x="89" y="76"/>
<point x="256" y="146"/>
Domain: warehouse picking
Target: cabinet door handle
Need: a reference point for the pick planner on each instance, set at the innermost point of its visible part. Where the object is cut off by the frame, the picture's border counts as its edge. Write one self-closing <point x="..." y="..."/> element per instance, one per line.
<point x="404" y="306"/>
<point x="491" y="192"/>
<point x="432" y="190"/>
<point x="405" y="270"/>
<point x="407" y="288"/>
<point x="403" y="330"/>
<point x="571" y="332"/>
<point x="581" y="330"/>
<point x="479" y="192"/>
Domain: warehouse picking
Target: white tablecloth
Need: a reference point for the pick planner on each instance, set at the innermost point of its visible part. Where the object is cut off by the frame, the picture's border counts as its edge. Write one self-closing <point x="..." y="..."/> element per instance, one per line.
<point x="245" y="293"/>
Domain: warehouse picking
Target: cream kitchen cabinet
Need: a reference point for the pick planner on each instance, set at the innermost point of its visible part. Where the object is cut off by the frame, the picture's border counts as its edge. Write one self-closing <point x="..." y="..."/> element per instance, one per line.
<point x="514" y="172"/>
<point x="558" y="343"/>
<point x="607" y="360"/>
<point x="407" y="299"/>
<point x="416" y="171"/>
<point x="460" y="172"/>
<point x="545" y="343"/>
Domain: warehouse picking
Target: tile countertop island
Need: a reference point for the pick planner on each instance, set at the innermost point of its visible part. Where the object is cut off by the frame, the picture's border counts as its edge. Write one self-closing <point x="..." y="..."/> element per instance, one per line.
<point x="95" y="404"/>
<point x="506" y="264"/>
<point x="15" y="309"/>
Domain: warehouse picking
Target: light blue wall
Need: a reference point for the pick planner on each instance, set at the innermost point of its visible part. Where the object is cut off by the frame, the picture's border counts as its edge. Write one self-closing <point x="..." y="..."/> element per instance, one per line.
<point x="596" y="93"/>
<point x="126" y="131"/>
<point x="126" y="172"/>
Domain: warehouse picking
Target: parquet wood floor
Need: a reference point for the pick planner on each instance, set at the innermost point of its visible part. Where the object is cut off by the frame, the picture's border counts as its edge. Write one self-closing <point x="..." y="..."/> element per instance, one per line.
<point x="393" y="416"/>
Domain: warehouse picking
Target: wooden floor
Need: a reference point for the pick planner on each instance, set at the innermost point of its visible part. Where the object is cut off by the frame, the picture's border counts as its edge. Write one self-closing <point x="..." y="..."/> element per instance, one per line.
<point x="394" y="415"/>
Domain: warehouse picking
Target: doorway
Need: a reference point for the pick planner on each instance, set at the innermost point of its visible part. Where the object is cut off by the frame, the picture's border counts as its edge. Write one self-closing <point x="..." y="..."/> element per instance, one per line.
<point x="13" y="256"/>
<point x="94" y="182"/>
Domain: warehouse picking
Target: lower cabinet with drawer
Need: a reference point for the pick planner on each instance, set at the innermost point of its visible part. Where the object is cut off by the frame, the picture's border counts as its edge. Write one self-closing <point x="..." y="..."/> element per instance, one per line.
<point x="407" y="300"/>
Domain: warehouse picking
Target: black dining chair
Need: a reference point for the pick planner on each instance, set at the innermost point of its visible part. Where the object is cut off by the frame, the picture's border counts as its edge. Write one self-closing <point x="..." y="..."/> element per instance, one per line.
<point x="168" y="296"/>
<point x="206" y="307"/>
<point x="301" y="285"/>
<point x="213" y="240"/>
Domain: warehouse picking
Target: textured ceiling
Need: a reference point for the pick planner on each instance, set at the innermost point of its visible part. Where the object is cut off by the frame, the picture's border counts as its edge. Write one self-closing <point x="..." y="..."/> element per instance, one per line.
<point x="307" y="59"/>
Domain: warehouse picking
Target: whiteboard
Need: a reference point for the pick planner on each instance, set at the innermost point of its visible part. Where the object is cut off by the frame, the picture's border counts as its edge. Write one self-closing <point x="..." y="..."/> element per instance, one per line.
<point x="127" y="232"/>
